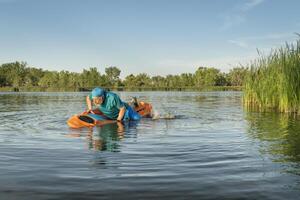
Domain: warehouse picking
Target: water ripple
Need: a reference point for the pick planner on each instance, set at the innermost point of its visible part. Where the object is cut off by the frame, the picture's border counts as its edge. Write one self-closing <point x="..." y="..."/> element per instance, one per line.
<point x="212" y="150"/>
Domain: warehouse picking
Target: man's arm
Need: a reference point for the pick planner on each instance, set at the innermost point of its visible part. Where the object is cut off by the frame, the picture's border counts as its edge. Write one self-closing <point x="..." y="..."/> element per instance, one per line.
<point x="89" y="104"/>
<point x="121" y="113"/>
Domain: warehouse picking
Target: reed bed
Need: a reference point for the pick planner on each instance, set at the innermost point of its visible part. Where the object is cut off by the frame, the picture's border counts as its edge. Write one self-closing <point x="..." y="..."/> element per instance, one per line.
<point x="273" y="81"/>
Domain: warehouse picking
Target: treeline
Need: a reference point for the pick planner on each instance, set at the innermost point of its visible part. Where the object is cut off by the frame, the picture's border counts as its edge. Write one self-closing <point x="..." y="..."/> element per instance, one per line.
<point x="18" y="75"/>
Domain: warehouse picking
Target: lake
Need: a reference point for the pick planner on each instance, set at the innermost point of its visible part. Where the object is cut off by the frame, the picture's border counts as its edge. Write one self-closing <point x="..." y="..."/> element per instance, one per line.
<point x="213" y="149"/>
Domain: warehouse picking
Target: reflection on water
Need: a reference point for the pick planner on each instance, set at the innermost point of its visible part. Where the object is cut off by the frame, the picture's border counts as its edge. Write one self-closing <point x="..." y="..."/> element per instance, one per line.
<point x="279" y="135"/>
<point x="106" y="137"/>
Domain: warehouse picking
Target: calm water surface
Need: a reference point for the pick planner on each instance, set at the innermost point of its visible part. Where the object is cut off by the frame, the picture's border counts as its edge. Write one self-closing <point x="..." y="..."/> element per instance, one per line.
<point x="214" y="149"/>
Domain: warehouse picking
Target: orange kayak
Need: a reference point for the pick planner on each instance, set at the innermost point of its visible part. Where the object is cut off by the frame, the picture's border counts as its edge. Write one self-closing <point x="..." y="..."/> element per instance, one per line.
<point x="90" y="120"/>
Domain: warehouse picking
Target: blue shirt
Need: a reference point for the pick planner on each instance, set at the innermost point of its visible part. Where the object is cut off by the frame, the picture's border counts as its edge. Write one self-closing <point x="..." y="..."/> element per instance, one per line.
<point x="111" y="105"/>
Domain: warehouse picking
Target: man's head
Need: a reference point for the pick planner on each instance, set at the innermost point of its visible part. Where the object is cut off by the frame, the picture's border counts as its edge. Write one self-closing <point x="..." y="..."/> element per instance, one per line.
<point x="98" y="95"/>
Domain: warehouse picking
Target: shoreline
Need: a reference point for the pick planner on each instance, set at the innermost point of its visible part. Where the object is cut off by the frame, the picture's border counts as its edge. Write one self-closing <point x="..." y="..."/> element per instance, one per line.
<point x="131" y="89"/>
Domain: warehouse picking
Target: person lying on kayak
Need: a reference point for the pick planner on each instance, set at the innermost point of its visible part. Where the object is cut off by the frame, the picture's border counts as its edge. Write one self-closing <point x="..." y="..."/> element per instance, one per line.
<point x="110" y="105"/>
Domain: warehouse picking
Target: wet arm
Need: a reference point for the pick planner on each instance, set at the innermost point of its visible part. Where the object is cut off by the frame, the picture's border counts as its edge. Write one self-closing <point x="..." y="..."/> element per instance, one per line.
<point x="89" y="103"/>
<point x="121" y="113"/>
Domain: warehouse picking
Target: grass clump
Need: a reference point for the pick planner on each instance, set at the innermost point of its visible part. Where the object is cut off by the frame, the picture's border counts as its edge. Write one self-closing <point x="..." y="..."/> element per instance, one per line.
<point x="273" y="81"/>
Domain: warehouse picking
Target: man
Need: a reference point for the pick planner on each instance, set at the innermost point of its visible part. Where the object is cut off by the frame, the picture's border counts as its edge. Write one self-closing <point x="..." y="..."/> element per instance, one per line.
<point x="110" y="105"/>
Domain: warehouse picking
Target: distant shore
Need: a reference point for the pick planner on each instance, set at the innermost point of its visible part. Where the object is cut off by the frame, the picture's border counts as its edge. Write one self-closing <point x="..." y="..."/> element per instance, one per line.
<point x="50" y="89"/>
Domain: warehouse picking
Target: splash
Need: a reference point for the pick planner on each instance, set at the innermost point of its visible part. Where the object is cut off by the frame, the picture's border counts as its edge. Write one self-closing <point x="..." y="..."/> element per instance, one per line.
<point x="157" y="115"/>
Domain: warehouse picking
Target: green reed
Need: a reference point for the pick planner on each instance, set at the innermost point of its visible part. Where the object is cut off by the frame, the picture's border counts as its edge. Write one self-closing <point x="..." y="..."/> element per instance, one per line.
<point x="273" y="81"/>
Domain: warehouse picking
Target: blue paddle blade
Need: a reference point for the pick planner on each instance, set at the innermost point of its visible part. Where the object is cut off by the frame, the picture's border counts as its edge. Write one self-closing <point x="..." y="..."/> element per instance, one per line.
<point x="97" y="117"/>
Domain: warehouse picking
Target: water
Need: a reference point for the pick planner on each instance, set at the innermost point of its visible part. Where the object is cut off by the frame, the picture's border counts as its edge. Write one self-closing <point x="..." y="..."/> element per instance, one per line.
<point x="214" y="149"/>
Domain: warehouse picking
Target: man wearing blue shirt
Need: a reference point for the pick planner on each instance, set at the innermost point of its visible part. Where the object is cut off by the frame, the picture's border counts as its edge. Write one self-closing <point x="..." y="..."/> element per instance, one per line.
<point x="110" y="105"/>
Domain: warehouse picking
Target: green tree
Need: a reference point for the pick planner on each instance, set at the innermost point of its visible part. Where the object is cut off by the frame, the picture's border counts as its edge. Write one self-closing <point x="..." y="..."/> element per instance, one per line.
<point x="33" y="76"/>
<point x="63" y="79"/>
<point x="158" y="82"/>
<point x="17" y="74"/>
<point x="74" y="80"/>
<point x="236" y="76"/>
<point x="143" y="80"/>
<point x="140" y="80"/>
<point x="222" y="80"/>
<point x="173" y="81"/>
<point x="206" y="76"/>
<point x="14" y="74"/>
<point x="187" y="80"/>
<point x="49" y="80"/>
<point x="130" y="81"/>
<point x="91" y="78"/>
<point x="113" y="75"/>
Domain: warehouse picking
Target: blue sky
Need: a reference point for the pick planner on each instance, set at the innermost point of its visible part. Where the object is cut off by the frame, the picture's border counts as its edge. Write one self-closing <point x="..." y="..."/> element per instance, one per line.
<point x="158" y="37"/>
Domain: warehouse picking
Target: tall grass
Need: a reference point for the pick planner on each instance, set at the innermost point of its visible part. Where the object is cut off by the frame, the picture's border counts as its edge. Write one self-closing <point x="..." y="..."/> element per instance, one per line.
<point x="273" y="81"/>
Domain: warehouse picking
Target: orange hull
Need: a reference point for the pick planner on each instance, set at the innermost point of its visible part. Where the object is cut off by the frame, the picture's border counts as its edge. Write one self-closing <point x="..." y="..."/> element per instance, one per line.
<point x="76" y="122"/>
<point x="91" y="120"/>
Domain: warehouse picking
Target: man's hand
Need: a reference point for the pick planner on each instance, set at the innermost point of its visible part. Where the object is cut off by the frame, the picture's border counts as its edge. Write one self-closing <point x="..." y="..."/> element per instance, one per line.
<point x="90" y="111"/>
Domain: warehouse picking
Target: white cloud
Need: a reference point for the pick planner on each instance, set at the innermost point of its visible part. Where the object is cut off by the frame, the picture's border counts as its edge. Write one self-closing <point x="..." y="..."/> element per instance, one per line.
<point x="250" y="5"/>
<point x="237" y="15"/>
<point x="239" y="43"/>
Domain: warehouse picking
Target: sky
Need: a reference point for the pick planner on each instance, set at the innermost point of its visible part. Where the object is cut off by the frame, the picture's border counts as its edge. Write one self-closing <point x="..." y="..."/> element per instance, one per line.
<point x="157" y="37"/>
